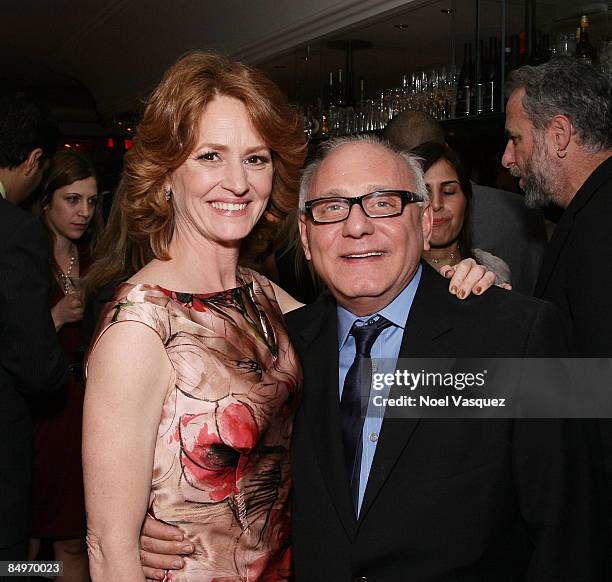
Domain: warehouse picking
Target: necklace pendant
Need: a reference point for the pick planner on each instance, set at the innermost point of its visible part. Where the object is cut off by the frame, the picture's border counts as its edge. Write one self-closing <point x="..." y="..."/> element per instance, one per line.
<point x="67" y="283"/>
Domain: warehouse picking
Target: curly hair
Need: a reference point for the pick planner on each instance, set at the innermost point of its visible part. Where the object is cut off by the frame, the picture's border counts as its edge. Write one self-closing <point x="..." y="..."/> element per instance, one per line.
<point x="142" y="226"/>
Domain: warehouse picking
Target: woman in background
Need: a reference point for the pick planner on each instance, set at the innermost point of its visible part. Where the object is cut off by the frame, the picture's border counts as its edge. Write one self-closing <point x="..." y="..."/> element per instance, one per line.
<point x="69" y="202"/>
<point x="450" y="194"/>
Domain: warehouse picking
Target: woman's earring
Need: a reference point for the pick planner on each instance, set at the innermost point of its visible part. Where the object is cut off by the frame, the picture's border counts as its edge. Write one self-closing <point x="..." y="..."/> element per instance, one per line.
<point x="168" y="194"/>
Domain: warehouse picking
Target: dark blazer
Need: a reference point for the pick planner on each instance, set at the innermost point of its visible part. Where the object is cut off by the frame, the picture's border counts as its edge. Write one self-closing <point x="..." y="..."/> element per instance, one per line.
<point x="576" y="276"/>
<point x="31" y="360"/>
<point x="504" y="226"/>
<point x="447" y="500"/>
<point x="576" y="273"/>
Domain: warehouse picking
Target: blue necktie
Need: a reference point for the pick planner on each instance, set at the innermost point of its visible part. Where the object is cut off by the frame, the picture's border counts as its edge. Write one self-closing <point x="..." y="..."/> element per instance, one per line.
<point x="357" y="383"/>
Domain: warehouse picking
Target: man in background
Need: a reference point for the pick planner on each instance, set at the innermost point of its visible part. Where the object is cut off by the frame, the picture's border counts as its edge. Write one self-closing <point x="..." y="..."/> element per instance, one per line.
<point x="559" y="125"/>
<point x="500" y="222"/>
<point x="31" y="360"/>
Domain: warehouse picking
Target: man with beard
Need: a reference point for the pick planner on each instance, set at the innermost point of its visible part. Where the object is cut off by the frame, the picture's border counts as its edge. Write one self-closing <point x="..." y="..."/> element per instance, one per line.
<point x="559" y="124"/>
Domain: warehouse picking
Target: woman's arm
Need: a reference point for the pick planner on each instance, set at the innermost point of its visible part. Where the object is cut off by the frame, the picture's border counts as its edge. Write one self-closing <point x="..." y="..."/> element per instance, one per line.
<point x="128" y="376"/>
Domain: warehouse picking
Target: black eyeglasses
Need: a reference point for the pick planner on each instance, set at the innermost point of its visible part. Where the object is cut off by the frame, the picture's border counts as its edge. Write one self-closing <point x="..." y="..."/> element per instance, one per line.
<point x="378" y="204"/>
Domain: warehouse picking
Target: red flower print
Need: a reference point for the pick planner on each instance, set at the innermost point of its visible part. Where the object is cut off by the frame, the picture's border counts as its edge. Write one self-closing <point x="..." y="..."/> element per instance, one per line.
<point x="237" y="427"/>
<point x="215" y="448"/>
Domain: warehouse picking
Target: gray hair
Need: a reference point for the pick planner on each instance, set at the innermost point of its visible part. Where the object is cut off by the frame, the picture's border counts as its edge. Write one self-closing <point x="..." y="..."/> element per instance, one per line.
<point x="413" y="164"/>
<point x="566" y="86"/>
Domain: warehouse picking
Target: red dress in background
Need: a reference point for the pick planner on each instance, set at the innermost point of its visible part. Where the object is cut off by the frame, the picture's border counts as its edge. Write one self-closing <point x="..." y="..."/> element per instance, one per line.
<point x="58" y="504"/>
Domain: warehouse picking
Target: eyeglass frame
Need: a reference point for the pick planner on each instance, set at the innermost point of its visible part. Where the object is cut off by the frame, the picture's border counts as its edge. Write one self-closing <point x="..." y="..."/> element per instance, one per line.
<point x="406" y="196"/>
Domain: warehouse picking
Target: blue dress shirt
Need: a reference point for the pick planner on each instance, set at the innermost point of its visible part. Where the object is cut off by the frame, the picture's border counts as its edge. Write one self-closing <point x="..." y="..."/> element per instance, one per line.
<point x="386" y="349"/>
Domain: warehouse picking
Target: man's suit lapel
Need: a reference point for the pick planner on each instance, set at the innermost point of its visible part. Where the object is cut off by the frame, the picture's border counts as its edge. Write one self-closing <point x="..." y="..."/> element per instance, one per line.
<point x="320" y="364"/>
<point x="563" y="229"/>
<point x="428" y="329"/>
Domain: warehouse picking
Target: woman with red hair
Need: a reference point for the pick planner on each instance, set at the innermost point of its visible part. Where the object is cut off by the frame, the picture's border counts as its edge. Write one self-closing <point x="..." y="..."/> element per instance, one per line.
<point x="192" y="382"/>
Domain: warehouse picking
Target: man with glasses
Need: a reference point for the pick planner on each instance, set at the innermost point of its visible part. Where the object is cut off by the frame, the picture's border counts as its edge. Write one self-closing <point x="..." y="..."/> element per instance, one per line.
<point x="391" y="499"/>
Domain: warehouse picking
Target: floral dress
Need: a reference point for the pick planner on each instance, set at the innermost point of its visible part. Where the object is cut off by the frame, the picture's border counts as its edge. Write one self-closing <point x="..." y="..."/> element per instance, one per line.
<point x="221" y="468"/>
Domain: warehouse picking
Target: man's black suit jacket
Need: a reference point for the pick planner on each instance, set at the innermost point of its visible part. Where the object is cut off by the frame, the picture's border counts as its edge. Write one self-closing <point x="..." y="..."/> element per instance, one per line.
<point x="576" y="272"/>
<point x="576" y="276"/>
<point x="446" y="500"/>
<point x="31" y="360"/>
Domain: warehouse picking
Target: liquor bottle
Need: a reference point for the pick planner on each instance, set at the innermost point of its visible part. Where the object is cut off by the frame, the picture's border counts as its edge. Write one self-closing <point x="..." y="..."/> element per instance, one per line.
<point x="584" y="49"/>
<point x="332" y="109"/>
<point x="491" y="77"/>
<point x="471" y="80"/>
<point x="481" y="64"/>
<point x="331" y="91"/>
<point x="340" y="125"/>
<point x="362" y="109"/>
<point x="341" y="92"/>
<point x="465" y="85"/>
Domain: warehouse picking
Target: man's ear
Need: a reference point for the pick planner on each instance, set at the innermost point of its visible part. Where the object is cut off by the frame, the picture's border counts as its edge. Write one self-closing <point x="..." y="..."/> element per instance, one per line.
<point x="427" y="225"/>
<point x="304" y="236"/>
<point x="32" y="162"/>
<point x="561" y="131"/>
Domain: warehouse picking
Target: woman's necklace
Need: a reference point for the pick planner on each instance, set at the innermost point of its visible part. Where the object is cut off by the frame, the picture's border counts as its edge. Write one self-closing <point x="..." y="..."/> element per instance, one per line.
<point x="451" y="257"/>
<point x="67" y="283"/>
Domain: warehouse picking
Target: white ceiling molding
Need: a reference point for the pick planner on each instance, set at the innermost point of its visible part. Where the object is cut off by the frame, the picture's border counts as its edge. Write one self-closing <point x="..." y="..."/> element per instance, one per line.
<point x="340" y="15"/>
